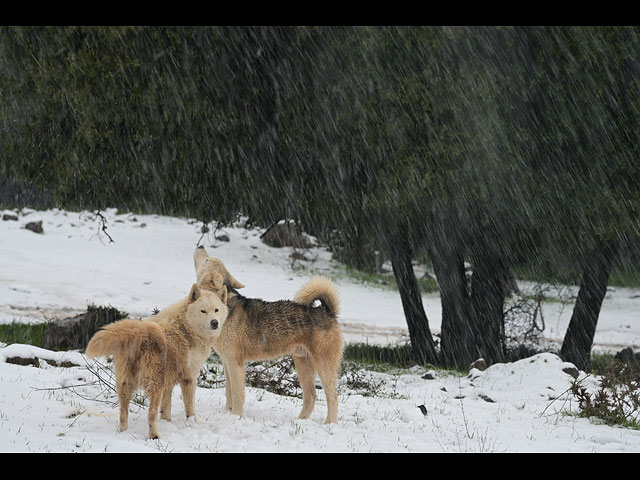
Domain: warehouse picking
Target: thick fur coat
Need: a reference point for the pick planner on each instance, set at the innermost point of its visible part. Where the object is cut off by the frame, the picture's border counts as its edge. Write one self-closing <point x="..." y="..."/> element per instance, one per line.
<point x="260" y="330"/>
<point x="162" y="351"/>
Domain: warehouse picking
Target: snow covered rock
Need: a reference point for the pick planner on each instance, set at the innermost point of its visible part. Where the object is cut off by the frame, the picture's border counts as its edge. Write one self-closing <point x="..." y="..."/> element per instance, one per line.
<point x="35" y="227"/>
<point x="21" y="354"/>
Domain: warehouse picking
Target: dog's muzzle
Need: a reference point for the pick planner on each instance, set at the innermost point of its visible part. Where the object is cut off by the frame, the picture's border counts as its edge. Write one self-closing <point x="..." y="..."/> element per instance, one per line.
<point x="214" y="324"/>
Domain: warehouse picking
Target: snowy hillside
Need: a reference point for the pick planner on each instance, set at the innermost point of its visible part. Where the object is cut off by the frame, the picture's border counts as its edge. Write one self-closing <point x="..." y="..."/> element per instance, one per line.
<point x="507" y="408"/>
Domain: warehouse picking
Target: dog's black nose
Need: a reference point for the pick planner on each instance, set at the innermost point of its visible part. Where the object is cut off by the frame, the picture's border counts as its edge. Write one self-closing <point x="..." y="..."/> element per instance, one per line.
<point x="214" y="324"/>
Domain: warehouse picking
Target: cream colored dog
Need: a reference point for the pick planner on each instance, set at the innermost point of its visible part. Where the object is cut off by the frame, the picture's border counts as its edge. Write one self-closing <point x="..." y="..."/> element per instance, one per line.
<point x="162" y="351"/>
<point x="211" y="272"/>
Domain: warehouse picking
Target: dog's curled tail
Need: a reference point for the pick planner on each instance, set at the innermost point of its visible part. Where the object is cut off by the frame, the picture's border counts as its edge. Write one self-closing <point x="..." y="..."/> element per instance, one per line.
<point x="125" y="339"/>
<point x="319" y="288"/>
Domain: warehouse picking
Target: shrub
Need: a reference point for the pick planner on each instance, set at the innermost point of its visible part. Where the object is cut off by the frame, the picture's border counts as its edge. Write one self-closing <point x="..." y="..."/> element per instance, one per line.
<point x="617" y="400"/>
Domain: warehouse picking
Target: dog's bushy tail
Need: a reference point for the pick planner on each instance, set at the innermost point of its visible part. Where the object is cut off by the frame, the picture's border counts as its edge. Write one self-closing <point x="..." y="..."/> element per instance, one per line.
<point x="319" y="288"/>
<point x="125" y="339"/>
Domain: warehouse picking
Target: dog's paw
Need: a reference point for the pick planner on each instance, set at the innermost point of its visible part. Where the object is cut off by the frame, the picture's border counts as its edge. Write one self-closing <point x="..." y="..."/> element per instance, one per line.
<point x="191" y="421"/>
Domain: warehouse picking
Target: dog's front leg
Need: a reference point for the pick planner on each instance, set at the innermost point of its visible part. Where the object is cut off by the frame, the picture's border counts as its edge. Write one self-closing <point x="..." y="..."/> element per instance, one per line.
<point x="188" y="386"/>
<point x="236" y="372"/>
<point x="227" y="386"/>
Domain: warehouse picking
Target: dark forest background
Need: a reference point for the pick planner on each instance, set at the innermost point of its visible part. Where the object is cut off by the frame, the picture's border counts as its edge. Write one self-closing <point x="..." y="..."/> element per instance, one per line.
<point x="511" y="148"/>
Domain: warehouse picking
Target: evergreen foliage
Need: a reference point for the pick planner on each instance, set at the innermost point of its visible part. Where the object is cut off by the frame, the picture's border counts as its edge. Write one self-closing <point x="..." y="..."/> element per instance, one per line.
<point x="507" y="147"/>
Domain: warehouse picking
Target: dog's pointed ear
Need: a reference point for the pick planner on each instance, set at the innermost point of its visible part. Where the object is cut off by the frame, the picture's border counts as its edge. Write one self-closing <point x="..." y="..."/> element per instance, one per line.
<point x="222" y="293"/>
<point x="232" y="281"/>
<point x="212" y="281"/>
<point x="194" y="293"/>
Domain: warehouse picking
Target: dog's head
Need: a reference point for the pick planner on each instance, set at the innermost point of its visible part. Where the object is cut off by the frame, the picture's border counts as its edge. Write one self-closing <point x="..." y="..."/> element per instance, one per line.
<point x="207" y="309"/>
<point x="211" y="274"/>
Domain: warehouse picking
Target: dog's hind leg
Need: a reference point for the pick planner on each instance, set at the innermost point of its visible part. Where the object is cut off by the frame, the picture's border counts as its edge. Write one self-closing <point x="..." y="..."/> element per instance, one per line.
<point x="126" y="384"/>
<point x="152" y="380"/>
<point x="165" y="407"/>
<point x="155" y="398"/>
<point x="328" y="366"/>
<point x="306" y="376"/>
<point x="125" y="390"/>
<point x="328" y="377"/>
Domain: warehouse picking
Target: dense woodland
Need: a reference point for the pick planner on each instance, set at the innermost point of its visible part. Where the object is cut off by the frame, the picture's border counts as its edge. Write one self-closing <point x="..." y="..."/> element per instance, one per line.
<point x="511" y="148"/>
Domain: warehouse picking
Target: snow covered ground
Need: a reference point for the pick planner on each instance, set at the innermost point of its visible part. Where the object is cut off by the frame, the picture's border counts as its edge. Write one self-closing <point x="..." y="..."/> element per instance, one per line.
<point x="507" y="408"/>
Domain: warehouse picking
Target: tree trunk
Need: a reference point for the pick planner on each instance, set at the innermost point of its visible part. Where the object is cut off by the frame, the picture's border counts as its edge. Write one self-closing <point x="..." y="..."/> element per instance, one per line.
<point x="458" y="343"/>
<point x="578" y="340"/>
<point x="422" y="345"/>
<point x="487" y="299"/>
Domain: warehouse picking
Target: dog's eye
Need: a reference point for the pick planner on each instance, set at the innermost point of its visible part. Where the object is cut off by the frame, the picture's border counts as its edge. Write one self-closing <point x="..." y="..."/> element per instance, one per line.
<point x="203" y="311"/>
<point x="216" y="310"/>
